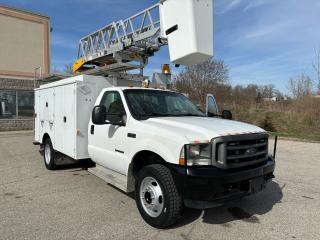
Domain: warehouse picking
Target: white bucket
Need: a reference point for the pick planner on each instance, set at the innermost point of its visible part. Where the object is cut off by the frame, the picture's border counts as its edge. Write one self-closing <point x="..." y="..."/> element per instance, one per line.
<point x="188" y="26"/>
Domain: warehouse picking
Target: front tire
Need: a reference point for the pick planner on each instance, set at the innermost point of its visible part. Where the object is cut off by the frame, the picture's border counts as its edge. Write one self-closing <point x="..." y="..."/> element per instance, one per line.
<point x="157" y="197"/>
<point x="49" y="155"/>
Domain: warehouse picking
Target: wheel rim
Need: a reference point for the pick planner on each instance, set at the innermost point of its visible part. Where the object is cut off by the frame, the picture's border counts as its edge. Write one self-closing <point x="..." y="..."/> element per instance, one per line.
<point x="151" y="197"/>
<point x="47" y="154"/>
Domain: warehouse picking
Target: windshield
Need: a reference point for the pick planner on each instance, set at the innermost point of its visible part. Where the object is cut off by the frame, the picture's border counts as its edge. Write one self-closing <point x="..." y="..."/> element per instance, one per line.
<point x="144" y="104"/>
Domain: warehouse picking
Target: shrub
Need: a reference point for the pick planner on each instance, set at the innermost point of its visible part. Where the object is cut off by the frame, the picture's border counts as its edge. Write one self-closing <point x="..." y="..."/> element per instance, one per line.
<point x="267" y="123"/>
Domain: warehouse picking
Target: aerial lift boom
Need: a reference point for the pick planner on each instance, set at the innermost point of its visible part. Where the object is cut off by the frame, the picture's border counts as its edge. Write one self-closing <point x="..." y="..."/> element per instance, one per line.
<point x="127" y="44"/>
<point x="132" y="40"/>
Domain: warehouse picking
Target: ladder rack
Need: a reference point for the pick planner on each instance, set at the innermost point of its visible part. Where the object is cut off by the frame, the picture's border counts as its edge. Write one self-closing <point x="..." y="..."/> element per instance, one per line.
<point x="132" y="40"/>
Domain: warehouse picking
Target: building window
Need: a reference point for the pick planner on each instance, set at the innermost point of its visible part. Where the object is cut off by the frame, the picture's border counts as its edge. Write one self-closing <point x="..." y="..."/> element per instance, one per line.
<point x="8" y="101"/>
<point x="25" y="104"/>
<point x="16" y="104"/>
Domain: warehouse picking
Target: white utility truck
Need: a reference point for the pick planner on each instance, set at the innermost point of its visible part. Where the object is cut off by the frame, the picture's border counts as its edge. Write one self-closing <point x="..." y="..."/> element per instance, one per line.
<point x="153" y="142"/>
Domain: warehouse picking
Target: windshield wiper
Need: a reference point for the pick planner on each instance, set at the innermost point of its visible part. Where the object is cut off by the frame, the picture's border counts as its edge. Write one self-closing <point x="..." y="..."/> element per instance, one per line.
<point x="153" y="114"/>
<point x="190" y="115"/>
<point x="157" y="114"/>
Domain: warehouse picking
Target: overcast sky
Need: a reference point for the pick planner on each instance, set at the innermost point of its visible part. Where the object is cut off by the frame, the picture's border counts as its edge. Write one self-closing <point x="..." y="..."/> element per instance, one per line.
<point x="262" y="41"/>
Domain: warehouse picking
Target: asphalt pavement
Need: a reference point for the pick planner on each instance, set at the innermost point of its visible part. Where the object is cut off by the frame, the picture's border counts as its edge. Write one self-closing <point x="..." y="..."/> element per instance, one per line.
<point x="73" y="204"/>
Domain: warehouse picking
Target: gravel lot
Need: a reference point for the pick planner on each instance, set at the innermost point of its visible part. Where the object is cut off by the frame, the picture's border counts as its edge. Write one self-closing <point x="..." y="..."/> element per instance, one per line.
<point x="73" y="204"/>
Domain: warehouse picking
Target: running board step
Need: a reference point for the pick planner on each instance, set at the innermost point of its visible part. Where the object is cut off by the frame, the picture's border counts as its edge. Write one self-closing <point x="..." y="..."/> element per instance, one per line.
<point x="116" y="179"/>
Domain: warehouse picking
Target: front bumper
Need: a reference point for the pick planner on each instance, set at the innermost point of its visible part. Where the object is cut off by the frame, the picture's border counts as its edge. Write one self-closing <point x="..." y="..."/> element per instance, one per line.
<point x="203" y="187"/>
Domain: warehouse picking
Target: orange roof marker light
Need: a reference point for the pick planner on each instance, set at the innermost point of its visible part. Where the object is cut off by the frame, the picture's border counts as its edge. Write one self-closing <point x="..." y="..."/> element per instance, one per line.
<point x="166" y="69"/>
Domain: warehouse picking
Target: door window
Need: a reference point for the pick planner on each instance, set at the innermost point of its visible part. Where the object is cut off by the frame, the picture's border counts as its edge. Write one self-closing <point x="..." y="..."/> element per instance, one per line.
<point x="212" y="108"/>
<point x="114" y="106"/>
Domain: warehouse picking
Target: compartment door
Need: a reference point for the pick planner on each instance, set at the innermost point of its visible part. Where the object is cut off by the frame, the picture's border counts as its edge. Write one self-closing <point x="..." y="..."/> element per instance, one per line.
<point x="37" y="136"/>
<point x="46" y="112"/>
<point x="59" y="130"/>
<point x="69" y="122"/>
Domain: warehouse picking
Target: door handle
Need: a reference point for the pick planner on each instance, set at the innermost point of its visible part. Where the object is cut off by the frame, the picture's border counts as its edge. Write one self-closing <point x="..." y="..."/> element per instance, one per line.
<point x="92" y="129"/>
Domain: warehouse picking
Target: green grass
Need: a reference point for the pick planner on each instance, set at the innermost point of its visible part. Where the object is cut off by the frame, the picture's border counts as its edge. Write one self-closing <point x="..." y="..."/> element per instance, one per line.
<point x="281" y="124"/>
<point x="297" y="136"/>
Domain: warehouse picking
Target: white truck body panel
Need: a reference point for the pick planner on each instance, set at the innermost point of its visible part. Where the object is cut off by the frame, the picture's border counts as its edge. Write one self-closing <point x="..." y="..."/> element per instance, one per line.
<point x="188" y="25"/>
<point x="63" y="110"/>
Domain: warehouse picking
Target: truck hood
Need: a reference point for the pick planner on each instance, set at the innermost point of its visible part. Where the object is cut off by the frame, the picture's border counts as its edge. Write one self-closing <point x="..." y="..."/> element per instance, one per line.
<point x="202" y="128"/>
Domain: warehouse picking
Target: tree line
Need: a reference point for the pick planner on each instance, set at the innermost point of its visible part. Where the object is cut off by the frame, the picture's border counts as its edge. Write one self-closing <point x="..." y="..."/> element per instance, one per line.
<point x="212" y="76"/>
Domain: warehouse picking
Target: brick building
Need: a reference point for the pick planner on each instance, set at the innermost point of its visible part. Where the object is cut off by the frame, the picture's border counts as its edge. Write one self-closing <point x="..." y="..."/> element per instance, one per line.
<point x="24" y="53"/>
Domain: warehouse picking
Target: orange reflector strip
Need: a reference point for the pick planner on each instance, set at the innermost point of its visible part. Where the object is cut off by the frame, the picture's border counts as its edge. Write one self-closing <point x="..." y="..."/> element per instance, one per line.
<point x="182" y="161"/>
<point x="200" y="142"/>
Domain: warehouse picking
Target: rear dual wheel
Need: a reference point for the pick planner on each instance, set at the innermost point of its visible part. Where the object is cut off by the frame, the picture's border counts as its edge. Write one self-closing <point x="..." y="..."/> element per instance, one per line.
<point x="157" y="197"/>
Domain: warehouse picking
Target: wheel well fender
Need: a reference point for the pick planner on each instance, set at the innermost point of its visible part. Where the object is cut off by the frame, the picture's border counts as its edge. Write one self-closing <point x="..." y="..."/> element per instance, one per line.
<point x="140" y="160"/>
<point x="45" y="137"/>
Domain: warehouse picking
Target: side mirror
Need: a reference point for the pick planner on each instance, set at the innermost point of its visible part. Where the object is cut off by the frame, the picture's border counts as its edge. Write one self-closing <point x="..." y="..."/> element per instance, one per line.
<point x="226" y="114"/>
<point x="99" y="115"/>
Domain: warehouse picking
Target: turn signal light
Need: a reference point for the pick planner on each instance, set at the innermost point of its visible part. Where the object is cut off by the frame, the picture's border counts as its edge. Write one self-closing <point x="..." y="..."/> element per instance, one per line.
<point x="182" y="161"/>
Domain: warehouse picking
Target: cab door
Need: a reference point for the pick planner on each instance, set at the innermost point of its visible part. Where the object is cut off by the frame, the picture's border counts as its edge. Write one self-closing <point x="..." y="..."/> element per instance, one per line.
<point x="107" y="143"/>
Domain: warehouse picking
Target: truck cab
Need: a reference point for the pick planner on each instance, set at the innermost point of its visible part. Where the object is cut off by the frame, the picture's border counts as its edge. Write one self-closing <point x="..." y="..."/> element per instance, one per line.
<point x="173" y="154"/>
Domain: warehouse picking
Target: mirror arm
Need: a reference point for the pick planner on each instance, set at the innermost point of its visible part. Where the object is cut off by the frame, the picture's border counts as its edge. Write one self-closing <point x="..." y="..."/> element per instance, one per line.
<point x="114" y="123"/>
<point x="214" y="115"/>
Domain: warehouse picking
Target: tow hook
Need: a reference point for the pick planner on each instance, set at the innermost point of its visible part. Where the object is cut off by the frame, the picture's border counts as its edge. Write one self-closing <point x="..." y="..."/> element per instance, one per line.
<point x="269" y="177"/>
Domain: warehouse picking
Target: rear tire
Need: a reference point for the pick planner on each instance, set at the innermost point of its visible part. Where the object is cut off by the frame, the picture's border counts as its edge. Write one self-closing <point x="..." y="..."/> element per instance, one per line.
<point x="157" y="197"/>
<point x="49" y="155"/>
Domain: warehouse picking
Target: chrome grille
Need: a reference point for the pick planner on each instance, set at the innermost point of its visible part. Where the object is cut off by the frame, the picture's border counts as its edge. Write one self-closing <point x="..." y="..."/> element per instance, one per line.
<point x="239" y="150"/>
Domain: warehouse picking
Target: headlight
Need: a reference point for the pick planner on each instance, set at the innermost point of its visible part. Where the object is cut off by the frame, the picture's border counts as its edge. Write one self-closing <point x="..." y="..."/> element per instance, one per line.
<point x="196" y="154"/>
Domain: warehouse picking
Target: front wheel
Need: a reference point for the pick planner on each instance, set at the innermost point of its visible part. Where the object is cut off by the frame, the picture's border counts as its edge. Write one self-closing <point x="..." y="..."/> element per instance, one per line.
<point x="49" y="156"/>
<point x="157" y="197"/>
